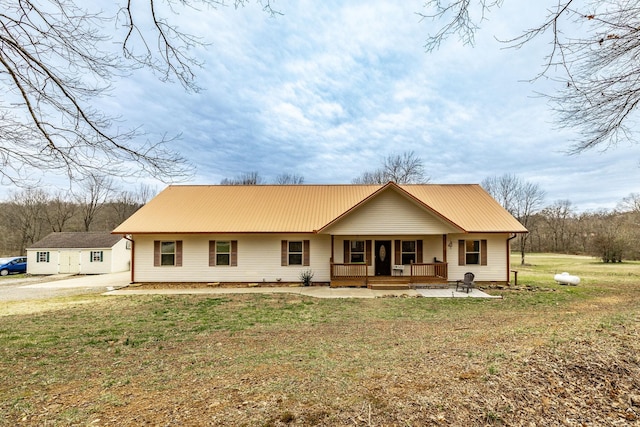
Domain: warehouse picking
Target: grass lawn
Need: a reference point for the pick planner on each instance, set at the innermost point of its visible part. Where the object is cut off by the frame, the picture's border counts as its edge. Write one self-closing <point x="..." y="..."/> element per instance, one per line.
<point x="554" y="355"/>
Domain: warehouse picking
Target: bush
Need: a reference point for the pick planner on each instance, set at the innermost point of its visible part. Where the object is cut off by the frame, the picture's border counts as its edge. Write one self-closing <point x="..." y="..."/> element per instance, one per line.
<point x="305" y="277"/>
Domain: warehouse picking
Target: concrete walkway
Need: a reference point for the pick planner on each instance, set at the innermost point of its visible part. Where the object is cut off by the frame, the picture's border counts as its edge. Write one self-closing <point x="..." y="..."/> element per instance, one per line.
<point x="118" y="284"/>
<point x="312" y="291"/>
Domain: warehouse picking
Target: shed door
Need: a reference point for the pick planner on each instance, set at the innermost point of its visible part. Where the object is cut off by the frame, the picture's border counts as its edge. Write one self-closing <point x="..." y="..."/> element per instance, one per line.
<point x="383" y="257"/>
<point x="69" y="262"/>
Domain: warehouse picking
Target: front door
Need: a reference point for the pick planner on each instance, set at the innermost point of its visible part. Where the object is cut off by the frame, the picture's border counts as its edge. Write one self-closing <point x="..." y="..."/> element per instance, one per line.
<point x="383" y="257"/>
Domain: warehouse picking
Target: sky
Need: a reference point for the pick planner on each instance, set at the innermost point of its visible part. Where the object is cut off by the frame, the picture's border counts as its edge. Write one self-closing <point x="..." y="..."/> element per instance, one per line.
<point x="328" y="89"/>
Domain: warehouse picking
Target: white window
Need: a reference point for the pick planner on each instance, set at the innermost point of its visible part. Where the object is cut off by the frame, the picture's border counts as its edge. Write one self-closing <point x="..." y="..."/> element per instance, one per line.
<point x="357" y="251"/>
<point x="472" y="250"/>
<point x="42" y="256"/>
<point x="167" y="253"/>
<point x="295" y="253"/>
<point x="96" y="256"/>
<point x="223" y="252"/>
<point x="408" y="251"/>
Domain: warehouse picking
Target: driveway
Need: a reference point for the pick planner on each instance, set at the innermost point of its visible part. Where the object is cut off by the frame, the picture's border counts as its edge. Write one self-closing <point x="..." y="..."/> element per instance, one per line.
<point x="43" y="287"/>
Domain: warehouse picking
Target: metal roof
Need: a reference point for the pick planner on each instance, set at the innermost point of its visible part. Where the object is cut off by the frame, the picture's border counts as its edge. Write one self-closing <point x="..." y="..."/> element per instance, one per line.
<point x="77" y="240"/>
<point x="304" y="208"/>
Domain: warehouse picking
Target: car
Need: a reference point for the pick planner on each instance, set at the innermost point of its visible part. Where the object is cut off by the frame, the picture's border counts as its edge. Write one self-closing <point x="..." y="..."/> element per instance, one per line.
<point x="13" y="265"/>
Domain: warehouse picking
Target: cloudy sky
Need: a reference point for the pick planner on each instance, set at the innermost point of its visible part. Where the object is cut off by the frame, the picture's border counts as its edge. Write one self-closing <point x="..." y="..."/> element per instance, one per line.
<point x="328" y="89"/>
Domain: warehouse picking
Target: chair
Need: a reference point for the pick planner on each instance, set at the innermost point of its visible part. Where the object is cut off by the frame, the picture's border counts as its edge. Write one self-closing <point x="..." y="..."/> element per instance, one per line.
<point x="467" y="283"/>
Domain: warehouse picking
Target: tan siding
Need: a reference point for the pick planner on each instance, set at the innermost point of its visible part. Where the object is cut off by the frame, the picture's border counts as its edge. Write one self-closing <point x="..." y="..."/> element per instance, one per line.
<point x="258" y="259"/>
<point x="390" y="214"/>
<point x="496" y="268"/>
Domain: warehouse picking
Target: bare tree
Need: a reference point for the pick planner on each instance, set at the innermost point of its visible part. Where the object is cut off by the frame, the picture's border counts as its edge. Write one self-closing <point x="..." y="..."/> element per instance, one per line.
<point x="248" y="178"/>
<point x="26" y="215"/>
<point x="96" y="190"/>
<point x="558" y="217"/>
<point x="127" y="202"/>
<point x="59" y="210"/>
<point x="594" y="45"/>
<point x="405" y="168"/>
<point x="522" y="199"/>
<point x="57" y="57"/>
<point x="287" y="178"/>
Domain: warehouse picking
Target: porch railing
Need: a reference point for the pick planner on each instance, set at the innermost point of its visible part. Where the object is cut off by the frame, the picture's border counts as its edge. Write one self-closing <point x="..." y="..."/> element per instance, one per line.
<point x="438" y="269"/>
<point x="349" y="271"/>
<point x="359" y="271"/>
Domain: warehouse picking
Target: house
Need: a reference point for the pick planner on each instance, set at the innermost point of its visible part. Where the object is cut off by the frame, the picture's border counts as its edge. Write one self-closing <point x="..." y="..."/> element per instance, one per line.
<point x="79" y="253"/>
<point x="347" y="235"/>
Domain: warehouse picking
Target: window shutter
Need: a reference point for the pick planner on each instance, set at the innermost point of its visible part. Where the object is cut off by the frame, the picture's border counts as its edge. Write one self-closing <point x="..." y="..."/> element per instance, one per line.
<point x="283" y="253"/>
<point x="347" y="251"/>
<point x="462" y="259"/>
<point x="48" y="257"/>
<point x="234" y="253"/>
<point x="398" y="255"/>
<point x="419" y="251"/>
<point x="368" y="253"/>
<point x="212" y="253"/>
<point x="483" y="252"/>
<point x="156" y="253"/>
<point x="306" y="246"/>
<point x="90" y="256"/>
<point x="178" y="253"/>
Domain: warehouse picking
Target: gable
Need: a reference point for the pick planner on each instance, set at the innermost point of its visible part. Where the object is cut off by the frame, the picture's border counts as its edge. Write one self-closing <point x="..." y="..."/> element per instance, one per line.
<point x="390" y="213"/>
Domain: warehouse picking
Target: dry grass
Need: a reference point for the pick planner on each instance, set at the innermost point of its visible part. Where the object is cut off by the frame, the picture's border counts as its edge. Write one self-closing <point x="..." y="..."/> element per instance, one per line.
<point x="563" y="356"/>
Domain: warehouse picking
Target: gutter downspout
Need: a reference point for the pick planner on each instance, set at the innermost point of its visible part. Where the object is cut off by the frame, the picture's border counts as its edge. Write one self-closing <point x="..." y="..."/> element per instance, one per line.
<point x="513" y="236"/>
<point x="133" y="253"/>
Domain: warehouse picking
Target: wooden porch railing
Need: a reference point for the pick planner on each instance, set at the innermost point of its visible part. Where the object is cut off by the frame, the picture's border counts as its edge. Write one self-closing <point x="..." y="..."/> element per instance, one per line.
<point x="349" y="271"/>
<point x="359" y="271"/>
<point x="438" y="269"/>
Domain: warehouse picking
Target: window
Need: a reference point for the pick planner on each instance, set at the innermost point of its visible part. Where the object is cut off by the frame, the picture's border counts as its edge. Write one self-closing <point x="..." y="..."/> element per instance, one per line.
<point x="408" y="251"/>
<point x="223" y="252"/>
<point x="357" y="251"/>
<point x="295" y="253"/>
<point x="42" y="256"/>
<point x="95" y="256"/>
<point x="472" y="252"/>
<point x="167" y="253"/>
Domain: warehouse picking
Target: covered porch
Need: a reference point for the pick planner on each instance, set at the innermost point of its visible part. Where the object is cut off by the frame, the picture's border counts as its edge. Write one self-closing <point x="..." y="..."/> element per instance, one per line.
<point x="389" y="262"/>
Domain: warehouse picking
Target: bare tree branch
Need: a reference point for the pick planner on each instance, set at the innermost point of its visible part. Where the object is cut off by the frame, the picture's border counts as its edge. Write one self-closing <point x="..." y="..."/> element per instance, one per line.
<point x="594" y="51"/>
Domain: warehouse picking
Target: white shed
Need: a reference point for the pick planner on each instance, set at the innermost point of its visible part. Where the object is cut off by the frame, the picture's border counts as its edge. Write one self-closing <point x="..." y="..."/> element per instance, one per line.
<point x="79" y="253"/>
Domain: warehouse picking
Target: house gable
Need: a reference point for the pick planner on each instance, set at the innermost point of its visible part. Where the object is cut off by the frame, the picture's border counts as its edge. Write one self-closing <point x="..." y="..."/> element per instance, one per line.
<point x="390" y="212"/>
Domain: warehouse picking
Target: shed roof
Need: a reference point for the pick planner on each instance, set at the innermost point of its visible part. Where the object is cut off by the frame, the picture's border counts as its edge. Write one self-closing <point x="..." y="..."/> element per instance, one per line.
<point x="305" y="208"/>
<point x="77" y="240"/>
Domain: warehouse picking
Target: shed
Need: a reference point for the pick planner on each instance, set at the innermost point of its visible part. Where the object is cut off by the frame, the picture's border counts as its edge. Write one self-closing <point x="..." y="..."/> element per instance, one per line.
<point x="79" y="253"/>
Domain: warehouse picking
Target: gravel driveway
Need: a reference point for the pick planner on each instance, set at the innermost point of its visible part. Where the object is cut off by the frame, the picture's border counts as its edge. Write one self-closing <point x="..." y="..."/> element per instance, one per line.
<point x="42" y="287"/>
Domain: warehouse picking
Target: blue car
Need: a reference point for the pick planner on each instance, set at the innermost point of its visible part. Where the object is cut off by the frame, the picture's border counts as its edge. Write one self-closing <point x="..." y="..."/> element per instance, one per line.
<point x="13" y="265"/>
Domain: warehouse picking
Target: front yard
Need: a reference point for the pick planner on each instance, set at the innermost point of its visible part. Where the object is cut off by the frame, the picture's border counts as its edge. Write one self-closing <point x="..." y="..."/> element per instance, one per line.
<point x="554" y="355"/>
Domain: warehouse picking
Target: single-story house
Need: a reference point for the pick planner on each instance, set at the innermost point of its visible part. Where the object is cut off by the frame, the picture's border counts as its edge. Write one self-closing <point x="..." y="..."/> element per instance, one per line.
<point x="79" y="253"/>
<point x="346" y="235"/>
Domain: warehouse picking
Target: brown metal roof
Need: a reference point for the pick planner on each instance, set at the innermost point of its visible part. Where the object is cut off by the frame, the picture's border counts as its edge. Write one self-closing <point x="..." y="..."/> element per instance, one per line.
<point x="303" y="208"/>
<point x="77" y="240"/>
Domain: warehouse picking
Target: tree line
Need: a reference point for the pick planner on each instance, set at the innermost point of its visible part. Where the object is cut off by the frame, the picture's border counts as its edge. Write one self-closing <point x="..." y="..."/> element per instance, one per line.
<point x="608" y="234"/>
<point x="96" y="204"/>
